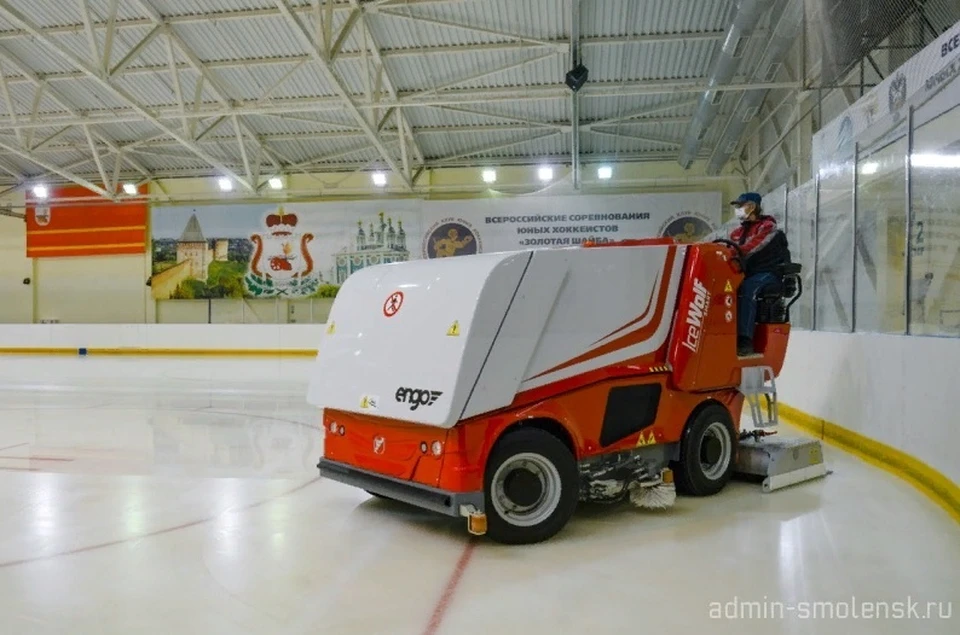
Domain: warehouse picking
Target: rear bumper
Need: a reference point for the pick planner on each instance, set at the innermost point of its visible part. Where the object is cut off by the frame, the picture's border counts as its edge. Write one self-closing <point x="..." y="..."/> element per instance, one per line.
<point x="437" y="500"/>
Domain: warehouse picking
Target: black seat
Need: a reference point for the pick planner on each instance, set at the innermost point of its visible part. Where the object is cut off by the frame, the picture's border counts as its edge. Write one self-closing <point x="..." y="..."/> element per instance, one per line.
<point x="774" y="300"/>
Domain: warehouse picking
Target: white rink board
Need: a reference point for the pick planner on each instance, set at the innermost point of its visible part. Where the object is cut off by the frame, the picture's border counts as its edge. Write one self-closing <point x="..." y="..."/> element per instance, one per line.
<point x="287" y="337"/>
<point x="897" y="390"/>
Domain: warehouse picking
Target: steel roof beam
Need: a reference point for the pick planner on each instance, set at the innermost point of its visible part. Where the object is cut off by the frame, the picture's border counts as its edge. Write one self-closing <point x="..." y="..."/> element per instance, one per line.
<point x="46" y="165"/>
<point x="218" y="16"/>
<point x="407" y="100"/>
<point x="344" y="167"/>
<point x="303" y="36"/>
<point x="123" y="67"/>
<point x="41" y="87"/>
<point x="16" y="16"/>
<point x="403" y="123"/>
<point x="219" y="90"/>
<point x="389" y="134"/>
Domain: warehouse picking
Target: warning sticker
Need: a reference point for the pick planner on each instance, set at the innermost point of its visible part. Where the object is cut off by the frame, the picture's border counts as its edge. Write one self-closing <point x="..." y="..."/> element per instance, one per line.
<point x="369" y="402"/>
<point x="393" y="304"/>
<point x="454" y="330"/>
<point x="648" y="440"/>
<point x="728" y="288"/>
<point x="332" y="328"/>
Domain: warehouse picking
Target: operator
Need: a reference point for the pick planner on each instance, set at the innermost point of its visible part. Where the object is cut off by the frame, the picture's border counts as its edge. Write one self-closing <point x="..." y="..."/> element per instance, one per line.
<point x="764" y="248"/>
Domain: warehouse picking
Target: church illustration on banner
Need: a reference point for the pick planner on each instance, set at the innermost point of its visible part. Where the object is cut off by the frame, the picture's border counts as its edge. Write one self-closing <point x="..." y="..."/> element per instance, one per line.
<point x="381" y="244"/>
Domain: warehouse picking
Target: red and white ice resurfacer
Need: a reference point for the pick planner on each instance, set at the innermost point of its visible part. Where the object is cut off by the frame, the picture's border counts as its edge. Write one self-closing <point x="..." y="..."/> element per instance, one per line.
<point x="507" y="387"/>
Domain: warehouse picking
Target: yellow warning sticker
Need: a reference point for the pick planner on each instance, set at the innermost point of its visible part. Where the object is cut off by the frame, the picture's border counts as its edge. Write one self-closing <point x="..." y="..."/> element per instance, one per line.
<point x="369" y="402"/>
<point x="815" y="454"/>
<point x="332" y="328"/>
<point x="728" y="288"/>
<point x="454" y="330"/>
<point x="648" y="440"/>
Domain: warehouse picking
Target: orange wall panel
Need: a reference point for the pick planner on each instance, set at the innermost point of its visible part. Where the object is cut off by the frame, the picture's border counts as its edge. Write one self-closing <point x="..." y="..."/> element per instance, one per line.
<point x="97" y="227"/>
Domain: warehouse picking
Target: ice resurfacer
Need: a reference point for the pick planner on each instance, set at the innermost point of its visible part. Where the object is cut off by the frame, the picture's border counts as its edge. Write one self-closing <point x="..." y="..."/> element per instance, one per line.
<point x="506" y="387"/>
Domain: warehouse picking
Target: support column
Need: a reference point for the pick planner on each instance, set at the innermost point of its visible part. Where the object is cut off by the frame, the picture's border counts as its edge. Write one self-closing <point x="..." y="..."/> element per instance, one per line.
<point x="575" y="97"/>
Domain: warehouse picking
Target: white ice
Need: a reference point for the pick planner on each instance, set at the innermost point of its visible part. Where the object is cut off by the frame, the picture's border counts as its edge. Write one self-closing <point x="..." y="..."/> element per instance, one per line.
<point x="180" y="496"/>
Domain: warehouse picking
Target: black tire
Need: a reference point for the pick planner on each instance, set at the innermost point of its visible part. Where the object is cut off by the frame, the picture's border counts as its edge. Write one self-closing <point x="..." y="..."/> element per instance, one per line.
<point x="707" y="453"/>
<point x="532" y="469"/>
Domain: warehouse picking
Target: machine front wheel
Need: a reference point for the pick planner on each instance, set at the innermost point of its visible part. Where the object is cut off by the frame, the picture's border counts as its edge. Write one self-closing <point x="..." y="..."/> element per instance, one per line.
<point x="706" y="453"/>
<point x="531" y="487"/>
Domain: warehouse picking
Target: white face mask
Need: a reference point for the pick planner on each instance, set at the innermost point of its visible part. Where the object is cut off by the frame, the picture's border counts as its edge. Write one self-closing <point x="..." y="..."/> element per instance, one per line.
<point x="741" y="213"/>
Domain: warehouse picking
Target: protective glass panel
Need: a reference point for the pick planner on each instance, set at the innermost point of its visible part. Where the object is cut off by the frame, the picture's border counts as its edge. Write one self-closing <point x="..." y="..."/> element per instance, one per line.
<point x="834" y="276"/>
<point x="935" y="227"/>
<point x="800" y="213"/>
<point x="879" y="267"/>
<point x="775" y="204"/>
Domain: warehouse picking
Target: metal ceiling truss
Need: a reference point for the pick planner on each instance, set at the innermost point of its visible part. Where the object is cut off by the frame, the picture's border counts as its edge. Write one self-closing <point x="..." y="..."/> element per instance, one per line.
<point x="462" y="97"/>
<point x="123" y="66"/>
<point x="194" y="135"/>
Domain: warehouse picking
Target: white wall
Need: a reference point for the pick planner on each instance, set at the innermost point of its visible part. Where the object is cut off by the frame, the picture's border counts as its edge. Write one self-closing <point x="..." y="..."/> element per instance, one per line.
<point x="16" y="298"/>
<point x="94" y="290"/>
<point x="899" y="390"/>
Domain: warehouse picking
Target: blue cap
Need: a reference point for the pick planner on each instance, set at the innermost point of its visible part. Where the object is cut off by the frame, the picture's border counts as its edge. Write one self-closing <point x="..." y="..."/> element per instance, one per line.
<point x="751" y="197"/>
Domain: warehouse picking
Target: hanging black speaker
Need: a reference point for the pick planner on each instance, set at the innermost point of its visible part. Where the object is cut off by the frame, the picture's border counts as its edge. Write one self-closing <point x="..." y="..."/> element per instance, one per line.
<point x="577" y="77"/>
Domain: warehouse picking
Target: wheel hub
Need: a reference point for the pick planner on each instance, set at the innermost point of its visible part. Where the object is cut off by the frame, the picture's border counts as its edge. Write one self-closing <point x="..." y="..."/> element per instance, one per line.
<point x="710" y="450"/>
<point x="716" y="450"/>
<point x="523" y="487"/>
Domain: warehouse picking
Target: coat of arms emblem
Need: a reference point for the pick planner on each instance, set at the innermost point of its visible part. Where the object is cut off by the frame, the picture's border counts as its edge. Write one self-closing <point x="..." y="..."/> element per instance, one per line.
<point x="281" y="263"/>
<point x="41" y="215"/>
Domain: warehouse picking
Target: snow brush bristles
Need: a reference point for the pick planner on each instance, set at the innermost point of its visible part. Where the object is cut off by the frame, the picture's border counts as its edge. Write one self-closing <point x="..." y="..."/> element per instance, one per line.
<point x="660" y="495"/>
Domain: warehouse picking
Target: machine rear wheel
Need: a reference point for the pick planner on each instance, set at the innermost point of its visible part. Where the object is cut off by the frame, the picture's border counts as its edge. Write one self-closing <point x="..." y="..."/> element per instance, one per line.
<point x="531" y="487"/>
<point x="706" y="453"/>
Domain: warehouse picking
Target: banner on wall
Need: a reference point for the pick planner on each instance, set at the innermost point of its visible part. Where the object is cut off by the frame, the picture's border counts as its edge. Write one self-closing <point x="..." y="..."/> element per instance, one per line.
<point x="913" y="83"/>
<point x="98" y="227"/>
<point x="302" y="250"/>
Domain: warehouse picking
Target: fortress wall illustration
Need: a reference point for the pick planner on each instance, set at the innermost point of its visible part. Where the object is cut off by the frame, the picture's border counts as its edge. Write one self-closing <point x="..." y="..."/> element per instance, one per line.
<point x="166" y="282"/>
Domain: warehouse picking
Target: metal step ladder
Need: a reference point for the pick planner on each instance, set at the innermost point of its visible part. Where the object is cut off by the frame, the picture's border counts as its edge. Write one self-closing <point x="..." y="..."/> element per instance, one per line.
<point x="779" y="462"/>
<point x="756" y="383"/>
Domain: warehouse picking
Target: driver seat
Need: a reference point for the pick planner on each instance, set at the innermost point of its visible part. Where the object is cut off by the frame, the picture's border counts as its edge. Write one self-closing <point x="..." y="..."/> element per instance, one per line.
<point x="774" y="300"/>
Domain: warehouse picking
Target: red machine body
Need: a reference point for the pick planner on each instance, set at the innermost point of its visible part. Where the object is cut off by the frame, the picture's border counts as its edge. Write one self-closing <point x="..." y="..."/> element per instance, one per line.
<point x="695" y="371"/>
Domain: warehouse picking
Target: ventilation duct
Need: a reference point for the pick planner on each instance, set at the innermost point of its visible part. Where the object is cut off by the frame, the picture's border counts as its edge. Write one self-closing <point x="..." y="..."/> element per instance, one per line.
<point x="744" y="21"/>
<point x="781" y="40"/>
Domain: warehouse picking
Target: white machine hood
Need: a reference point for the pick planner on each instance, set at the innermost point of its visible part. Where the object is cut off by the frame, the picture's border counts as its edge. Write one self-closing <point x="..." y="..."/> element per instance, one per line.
<point x="473" y="334"/>
<point x="408" y="341"/>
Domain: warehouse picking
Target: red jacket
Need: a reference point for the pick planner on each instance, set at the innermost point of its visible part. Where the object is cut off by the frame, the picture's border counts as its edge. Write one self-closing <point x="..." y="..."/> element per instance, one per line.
<point x="753" y="235"/>
<point x="763" y="244"/>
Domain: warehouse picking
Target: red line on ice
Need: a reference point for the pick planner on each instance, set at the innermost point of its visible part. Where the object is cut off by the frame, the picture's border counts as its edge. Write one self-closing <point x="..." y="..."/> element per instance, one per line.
<point x="440" y="609"/>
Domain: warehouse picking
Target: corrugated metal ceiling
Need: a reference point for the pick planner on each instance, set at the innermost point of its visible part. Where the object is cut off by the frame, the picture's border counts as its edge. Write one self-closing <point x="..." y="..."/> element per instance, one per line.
<point x="486" y="76"/>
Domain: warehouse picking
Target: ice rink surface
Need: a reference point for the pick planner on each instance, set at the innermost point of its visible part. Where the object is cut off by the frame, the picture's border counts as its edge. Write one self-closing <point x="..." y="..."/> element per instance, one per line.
<point x="180" y="496"/>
